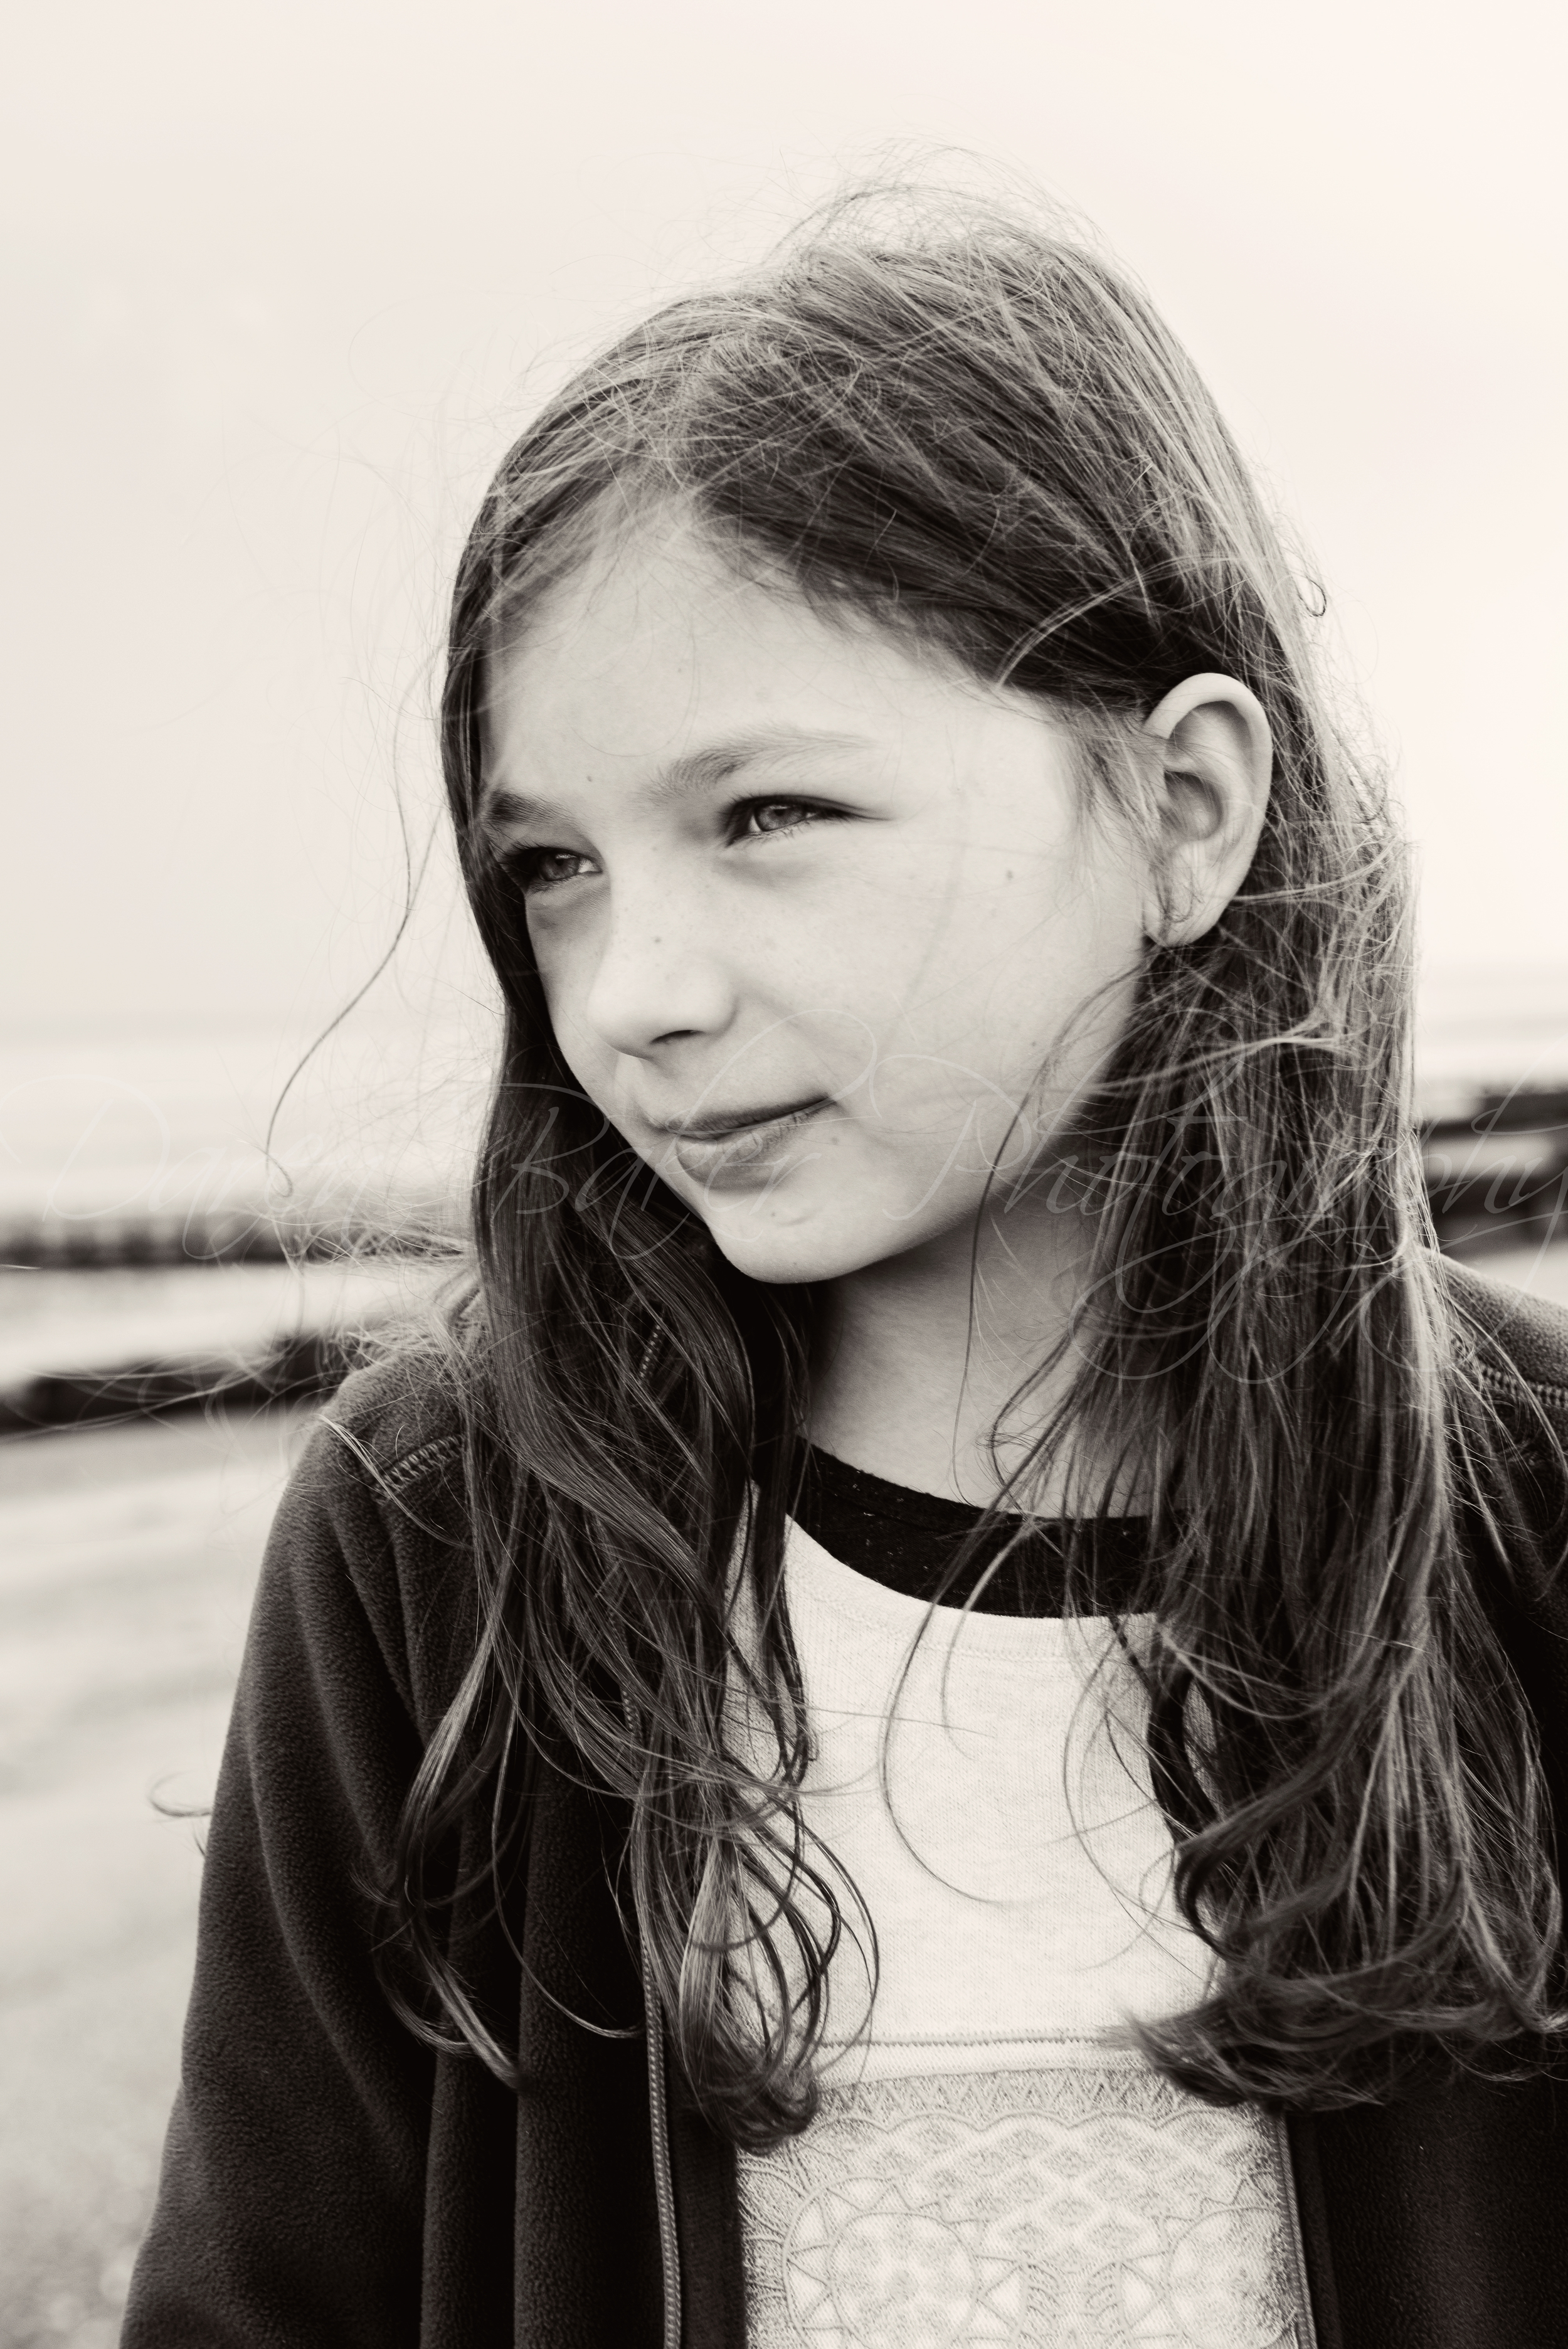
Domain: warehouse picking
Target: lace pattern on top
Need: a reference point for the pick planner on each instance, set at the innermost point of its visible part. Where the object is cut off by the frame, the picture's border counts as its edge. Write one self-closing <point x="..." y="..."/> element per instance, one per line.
<point x="1093" y="2208"/>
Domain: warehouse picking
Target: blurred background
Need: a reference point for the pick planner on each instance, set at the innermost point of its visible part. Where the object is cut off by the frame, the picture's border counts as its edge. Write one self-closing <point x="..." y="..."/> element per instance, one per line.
<point x="280" y="285"/>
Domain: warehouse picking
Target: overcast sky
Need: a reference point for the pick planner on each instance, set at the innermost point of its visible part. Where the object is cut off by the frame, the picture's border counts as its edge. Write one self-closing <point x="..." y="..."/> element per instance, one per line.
<point x="282" y="281"/>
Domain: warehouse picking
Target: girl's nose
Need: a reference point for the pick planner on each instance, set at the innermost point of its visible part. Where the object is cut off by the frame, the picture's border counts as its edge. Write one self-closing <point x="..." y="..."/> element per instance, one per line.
<point x="657" y="978"/>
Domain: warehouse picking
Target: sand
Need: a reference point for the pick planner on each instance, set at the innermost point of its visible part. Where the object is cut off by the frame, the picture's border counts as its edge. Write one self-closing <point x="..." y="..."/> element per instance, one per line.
<point x="128" y="1557"/>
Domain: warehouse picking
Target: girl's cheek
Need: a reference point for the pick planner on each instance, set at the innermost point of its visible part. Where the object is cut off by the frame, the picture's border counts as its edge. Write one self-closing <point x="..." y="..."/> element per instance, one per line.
<point x="585" y="1058"/>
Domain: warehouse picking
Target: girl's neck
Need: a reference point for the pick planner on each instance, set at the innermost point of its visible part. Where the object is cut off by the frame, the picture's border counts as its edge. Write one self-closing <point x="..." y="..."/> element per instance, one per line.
<point x="917" y="1357"/>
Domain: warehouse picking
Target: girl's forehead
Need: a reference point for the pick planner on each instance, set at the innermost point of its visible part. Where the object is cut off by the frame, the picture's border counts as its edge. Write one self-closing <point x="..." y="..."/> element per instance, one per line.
<point x="656" y="641"/>
<point x="637" y="591"/>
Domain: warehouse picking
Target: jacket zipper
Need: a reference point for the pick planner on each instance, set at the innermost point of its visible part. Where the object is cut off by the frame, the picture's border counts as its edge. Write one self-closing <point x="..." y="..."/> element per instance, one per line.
<point x="659" y="2123"/>
<point x="1305" y="2331"/>
<point x="664" y="2181"/>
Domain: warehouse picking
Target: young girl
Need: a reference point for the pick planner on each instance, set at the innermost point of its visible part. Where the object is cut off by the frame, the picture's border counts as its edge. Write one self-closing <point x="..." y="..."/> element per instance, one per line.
<point x="936" y="1719"/>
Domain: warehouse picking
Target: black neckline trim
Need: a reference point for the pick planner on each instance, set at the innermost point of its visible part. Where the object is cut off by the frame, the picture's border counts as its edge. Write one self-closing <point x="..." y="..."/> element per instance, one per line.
<point x="906" y="1539"/>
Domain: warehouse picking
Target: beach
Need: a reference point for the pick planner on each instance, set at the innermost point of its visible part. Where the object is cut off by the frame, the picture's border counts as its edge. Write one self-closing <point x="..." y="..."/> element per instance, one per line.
<point x="128" y="1558"/>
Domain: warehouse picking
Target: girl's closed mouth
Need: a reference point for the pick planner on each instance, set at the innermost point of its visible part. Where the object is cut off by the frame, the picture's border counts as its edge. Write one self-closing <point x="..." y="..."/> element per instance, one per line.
<point x="719" y="1143"/>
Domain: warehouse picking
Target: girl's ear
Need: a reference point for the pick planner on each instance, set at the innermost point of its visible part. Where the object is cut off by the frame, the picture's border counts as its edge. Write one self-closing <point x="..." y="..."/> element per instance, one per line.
<point x="1215" y="753"/>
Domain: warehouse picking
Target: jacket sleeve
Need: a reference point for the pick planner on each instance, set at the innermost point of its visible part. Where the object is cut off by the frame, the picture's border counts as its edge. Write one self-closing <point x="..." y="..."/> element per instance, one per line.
<point x="291" y="2202"/>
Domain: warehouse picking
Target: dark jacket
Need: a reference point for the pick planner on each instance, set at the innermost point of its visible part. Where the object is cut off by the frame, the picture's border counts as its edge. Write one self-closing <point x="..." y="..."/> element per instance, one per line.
<point x="328" y="2181"/>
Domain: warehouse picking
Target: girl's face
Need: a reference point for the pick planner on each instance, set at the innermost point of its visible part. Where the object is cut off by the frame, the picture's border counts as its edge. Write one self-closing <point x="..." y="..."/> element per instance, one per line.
<point x="824" y="928"/>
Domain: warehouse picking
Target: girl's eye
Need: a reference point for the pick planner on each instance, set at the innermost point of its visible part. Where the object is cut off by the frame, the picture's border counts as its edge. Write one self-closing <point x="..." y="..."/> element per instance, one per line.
<point x="761" y="817"/>
<point x="546" y="868"/>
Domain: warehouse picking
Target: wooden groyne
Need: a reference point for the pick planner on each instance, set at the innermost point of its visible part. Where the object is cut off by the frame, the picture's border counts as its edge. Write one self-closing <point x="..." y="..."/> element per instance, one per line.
<point x="1497" y="1174"/>
<point x="48" y="1242"/>
<point x="299" y="1368"/>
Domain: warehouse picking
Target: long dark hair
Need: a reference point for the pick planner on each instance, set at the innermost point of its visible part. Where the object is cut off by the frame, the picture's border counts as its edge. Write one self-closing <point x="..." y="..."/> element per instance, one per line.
<point x="976" y="432"/>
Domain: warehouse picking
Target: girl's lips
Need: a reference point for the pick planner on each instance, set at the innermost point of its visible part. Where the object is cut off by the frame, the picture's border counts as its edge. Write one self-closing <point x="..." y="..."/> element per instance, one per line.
<point x="741" y="1154"/>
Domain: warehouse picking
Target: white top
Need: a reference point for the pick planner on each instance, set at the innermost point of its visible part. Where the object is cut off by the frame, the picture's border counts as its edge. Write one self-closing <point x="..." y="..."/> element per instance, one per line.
<point x="992" y="2162"/>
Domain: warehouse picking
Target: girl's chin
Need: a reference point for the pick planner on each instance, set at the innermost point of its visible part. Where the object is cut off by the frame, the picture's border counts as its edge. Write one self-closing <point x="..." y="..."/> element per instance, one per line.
<point x="782" y="1245"/>
<point x="788" y="1242"/>
<point x="780" y="1266"/>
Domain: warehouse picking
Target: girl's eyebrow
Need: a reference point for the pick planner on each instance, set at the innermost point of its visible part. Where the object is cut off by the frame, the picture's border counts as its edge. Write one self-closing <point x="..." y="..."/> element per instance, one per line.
<point x="699" y="771"/>
<point x="693" y="771"/>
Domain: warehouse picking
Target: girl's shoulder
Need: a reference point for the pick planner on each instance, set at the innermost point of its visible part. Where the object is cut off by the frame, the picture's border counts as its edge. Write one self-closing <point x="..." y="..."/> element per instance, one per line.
<point x="1518" y="1343"/>
<point x="399" y="1422"/>
<point x="379" y="1483"/>
<point x="371" y="1535"/>
<point x="1514" y="1348"/>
